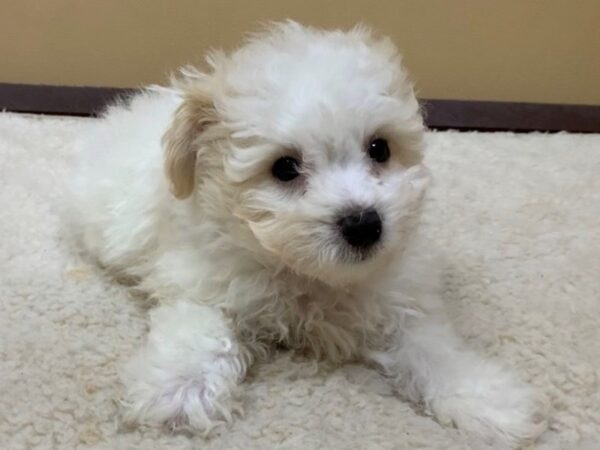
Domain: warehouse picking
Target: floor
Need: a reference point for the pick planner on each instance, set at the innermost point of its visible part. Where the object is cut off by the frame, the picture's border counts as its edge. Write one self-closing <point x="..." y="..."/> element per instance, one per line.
<point x="517" y="218"/>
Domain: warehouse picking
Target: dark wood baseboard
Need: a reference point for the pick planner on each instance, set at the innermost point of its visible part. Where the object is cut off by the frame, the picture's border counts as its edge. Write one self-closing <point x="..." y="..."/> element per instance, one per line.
<point x="59" y="100"/>
<point x="511" y="116"/>
<point x="440" y="114"/>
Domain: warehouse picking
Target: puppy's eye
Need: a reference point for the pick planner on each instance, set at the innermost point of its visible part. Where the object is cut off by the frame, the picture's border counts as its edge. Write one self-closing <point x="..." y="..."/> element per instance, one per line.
<point x="379" y="150"/>
<point x="286" y="168"/>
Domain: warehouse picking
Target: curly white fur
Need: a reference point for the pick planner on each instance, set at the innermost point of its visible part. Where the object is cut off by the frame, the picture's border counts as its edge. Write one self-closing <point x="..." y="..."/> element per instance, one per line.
<point x="241" y="261"/>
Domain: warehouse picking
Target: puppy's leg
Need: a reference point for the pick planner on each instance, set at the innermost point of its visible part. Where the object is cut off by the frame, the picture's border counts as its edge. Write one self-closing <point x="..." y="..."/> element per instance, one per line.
<point x="432" y="364"/>
<point x="187" y="374"/>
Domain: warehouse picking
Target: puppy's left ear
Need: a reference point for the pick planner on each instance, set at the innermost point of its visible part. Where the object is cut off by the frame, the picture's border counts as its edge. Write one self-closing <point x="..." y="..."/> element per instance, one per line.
<point x="182" y="140"/>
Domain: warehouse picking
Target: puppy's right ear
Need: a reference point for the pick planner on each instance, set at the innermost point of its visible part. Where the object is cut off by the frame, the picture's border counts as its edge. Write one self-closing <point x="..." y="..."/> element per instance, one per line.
<point x="182" y="140"/>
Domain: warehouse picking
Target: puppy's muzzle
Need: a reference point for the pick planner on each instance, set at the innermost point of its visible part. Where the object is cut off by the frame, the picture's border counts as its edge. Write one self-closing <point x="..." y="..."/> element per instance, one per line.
<point x="362" y="228"/>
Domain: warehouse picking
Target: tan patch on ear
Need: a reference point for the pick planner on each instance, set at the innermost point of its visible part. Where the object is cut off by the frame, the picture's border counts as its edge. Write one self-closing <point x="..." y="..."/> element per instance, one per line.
<point x="191" y="119"/>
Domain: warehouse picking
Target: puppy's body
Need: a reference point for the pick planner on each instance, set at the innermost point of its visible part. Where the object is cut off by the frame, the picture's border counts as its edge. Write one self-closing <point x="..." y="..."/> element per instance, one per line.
<point x="250" y="257"/>
<point x="177" y="251"/>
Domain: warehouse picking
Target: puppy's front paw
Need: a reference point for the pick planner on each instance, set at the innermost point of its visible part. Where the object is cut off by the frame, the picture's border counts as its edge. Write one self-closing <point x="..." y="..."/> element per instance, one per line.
<point x="187" y="374"/>
<point x="499" y="410"/>
<point x="197" y="403"/>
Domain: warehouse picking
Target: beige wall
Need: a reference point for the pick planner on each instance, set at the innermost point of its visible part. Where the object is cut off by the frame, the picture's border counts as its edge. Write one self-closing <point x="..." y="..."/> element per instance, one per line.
<point x="517" y="50"/>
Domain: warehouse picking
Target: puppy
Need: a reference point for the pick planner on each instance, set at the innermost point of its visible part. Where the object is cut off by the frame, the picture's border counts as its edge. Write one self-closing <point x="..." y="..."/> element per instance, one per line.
<point x="273" y="199"/>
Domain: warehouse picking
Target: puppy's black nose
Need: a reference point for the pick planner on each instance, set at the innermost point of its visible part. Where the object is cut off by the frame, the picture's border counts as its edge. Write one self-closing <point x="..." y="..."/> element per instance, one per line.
<point x="361" y="229"/>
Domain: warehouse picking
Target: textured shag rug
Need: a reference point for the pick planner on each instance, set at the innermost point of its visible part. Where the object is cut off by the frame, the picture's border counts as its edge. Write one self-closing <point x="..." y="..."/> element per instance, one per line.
<point x="516" y="216"/>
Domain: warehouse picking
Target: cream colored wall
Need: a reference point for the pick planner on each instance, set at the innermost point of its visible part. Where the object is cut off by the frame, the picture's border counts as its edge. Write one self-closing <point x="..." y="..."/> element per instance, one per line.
<point x="514" y="50"/>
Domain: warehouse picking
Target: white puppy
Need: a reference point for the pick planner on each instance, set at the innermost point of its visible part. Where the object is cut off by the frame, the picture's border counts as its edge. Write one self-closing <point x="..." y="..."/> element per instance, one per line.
<point x="273" y="199"/>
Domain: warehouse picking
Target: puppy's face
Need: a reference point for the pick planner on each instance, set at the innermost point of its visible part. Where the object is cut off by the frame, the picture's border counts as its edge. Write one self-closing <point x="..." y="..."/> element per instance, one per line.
<point x="312" y="141"/>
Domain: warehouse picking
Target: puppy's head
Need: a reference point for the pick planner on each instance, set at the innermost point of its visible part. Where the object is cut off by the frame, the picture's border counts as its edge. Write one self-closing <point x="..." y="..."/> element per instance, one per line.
<point x="308" y="145"/>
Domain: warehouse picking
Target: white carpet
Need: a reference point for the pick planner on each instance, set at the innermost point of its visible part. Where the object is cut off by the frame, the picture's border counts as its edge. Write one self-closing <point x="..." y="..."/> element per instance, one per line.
<point x="517" y="216"/>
